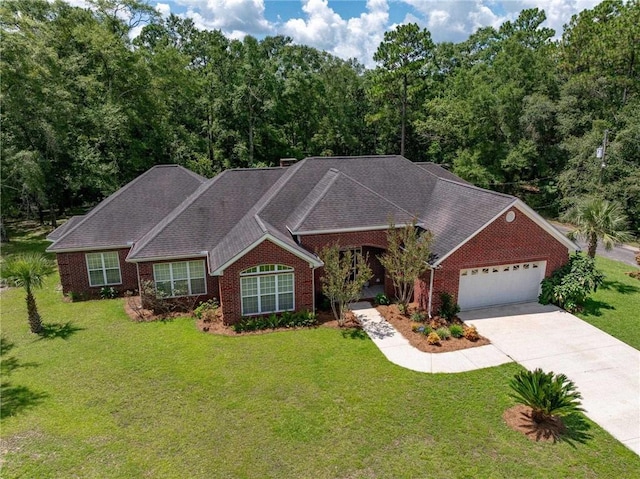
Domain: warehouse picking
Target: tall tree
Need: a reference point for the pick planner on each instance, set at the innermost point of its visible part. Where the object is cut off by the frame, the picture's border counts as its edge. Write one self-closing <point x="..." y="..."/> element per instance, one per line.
<point x="403" y="55"/>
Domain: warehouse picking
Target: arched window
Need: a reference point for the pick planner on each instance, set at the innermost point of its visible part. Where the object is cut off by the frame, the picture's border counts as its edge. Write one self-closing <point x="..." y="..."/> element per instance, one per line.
<point x="267" y="288"/>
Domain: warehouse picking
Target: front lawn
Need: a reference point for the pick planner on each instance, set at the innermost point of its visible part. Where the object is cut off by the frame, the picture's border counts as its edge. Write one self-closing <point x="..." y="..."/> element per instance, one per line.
<point x="615" y="307"/>
<point x="107" y="397"/>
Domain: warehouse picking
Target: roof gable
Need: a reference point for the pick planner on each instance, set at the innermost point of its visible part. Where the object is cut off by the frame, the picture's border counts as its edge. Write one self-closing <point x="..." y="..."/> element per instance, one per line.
<point x="203" y="221"/>
<point x="340" y="202"/>
<point x="130" y="212"/>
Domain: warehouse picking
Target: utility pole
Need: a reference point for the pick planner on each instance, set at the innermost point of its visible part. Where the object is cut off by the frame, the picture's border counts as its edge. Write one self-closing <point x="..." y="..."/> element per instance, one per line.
<point x="601" y="153"/>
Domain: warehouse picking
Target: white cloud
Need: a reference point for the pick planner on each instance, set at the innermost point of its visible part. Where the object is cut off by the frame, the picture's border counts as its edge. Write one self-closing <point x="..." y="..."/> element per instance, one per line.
<point x="323" y="28"/>
<point x="359" y="36"/>
<point x="235" y="18"/>
<point x="163" y="9"/>
<point x="456" y="20"/>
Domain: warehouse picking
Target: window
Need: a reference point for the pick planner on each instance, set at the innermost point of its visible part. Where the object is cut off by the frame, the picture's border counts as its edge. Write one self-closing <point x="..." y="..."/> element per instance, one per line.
<point x="267" y="288"/>
<point x="103" y="268"/>
<point x="185" y="278"/>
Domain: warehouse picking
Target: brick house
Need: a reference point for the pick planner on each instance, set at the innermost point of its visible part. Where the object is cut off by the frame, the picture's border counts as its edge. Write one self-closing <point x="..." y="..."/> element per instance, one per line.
<point x="250" y="237"/>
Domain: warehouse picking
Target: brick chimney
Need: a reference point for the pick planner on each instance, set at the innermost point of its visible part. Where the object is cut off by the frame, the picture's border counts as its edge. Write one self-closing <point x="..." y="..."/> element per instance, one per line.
<point x="284" y="162"/>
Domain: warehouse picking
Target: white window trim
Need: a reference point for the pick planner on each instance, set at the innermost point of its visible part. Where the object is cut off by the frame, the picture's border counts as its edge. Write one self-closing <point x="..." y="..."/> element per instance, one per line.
<point x="188" y="278"/>
<point x="103" y="269"/>
<point x="258" y="275"/>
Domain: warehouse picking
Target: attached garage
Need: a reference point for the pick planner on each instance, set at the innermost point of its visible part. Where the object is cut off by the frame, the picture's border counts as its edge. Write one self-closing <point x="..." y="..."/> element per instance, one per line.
<point x="500" y="284"/>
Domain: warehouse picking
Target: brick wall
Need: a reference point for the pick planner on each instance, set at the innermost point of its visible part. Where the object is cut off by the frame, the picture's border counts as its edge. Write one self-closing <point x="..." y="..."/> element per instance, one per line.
<point x="499" y="243"/>
<point x="372" y="242"/>
<point x="74" y="276"/>
<point x="213" y="289"/>
<point x="265" y="253"/>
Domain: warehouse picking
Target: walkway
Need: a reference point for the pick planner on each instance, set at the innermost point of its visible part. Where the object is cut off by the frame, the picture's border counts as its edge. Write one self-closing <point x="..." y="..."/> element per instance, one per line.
<point x="398" y="350"/>
<point x="606" y="370"/>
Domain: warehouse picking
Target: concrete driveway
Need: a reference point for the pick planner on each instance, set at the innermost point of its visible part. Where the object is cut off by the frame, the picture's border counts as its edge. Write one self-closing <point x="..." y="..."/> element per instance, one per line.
<point x="606" y="370"/>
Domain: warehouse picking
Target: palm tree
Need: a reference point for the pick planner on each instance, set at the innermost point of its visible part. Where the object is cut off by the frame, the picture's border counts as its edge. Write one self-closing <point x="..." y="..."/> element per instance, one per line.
<point x="547" y="394"/>
<point x="597" y="219"/>
<point x="28" y="270"/>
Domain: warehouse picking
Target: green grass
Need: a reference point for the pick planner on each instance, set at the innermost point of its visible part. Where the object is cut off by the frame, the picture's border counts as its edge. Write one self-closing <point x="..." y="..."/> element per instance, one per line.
<point x="105" y="397"/>
<point x="615" y="307"/>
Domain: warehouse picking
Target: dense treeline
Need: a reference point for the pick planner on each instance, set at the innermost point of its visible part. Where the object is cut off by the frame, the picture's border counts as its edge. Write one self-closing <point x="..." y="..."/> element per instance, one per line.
<point x="86" y="109"/>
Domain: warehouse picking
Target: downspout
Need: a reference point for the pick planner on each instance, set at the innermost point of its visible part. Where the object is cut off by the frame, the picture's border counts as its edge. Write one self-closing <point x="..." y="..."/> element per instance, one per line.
<point x="430" y="293"/>
<point x="139" y="284"/>
<point x="313" y="289"/>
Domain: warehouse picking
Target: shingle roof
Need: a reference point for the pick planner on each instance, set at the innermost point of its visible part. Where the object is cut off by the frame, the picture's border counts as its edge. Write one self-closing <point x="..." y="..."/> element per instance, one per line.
<point x="457" y="210"/>
<point x="130" y="212"/>
<point x="440" y="171"/>
<point x="63" y="228"/>
<point x="239" y="208"/>
<point x="340" y="202"/>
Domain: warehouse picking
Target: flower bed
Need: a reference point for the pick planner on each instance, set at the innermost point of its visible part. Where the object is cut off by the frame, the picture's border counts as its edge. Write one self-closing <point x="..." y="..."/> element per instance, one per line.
<point x="417" y="338"/>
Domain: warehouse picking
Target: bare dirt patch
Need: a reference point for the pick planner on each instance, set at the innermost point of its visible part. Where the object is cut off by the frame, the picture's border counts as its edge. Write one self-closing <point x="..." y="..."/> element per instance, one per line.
<point x="519" y="419"/>
<point x="403" y="324"/>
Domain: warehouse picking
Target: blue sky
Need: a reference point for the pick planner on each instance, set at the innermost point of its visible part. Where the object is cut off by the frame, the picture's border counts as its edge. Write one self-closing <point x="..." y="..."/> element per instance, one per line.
<point x="354" y="28"/>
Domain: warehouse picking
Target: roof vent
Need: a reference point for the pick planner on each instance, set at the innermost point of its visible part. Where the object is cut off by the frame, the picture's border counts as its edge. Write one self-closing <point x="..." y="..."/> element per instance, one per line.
<point x="284" y="162"/>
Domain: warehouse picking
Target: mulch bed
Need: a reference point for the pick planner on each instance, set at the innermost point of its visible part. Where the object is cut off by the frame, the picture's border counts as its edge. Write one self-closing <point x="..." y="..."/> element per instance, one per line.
<point x="519" y="419"/>
<point x="214" y="323"/>
<point x="403" y="325"/>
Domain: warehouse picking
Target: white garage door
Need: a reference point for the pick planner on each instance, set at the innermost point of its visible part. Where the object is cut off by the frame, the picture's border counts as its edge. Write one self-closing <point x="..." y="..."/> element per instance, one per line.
<point x="509" y="283"/>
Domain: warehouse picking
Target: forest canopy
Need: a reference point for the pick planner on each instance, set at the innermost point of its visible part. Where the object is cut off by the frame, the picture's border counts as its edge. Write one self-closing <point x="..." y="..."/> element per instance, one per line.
<point x="86" y="108"/>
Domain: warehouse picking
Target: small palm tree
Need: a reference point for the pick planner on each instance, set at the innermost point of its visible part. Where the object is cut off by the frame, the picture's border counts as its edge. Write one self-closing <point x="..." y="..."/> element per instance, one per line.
<point x="28" y="270"/>
<point x="597" y="219"/>
<point x="546" y="394"/>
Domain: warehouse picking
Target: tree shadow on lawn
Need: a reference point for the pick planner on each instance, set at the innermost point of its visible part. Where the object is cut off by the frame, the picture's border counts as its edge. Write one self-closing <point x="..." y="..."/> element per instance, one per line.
<point x="620" y="287"/>
<point x="59" y="330"/>
<point x="592" y="307"/>
<point x="577" y="429"/>
<point x="16" y="399"/>
<point x="354" y="333"/>
<point x="572" y="429"/>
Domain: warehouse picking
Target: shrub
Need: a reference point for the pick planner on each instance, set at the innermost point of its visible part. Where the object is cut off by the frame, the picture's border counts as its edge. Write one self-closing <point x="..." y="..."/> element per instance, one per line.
<point x="448" y="307"/>
<point x="418" y="316"/>
<point x="456" y="330"/>
<point x="108" y="292"/>
<point x="422" y="329"/>
<point x="74" y="297"/>
<point x="433" y="338"/>
<point x="273" y="321"/>
<point x="471" y="333"/>
<point x="570" y="285"/>
<point x="382" y="300"/>
<point x="204" y="308"/>
<point x="545" y="393"/>
<point x="444" y="333"/>
<point x="417" y="328"/>
<point x="402" y="308"/>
